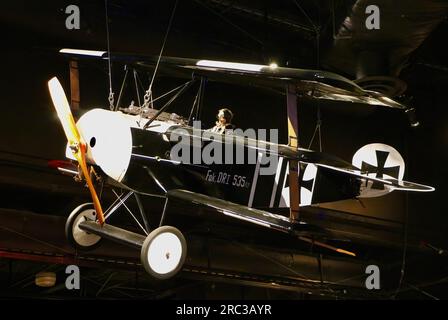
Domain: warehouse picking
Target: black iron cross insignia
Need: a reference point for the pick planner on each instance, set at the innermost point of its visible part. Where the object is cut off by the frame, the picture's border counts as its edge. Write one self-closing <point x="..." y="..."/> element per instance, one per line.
<point x="381" y="157"/>
<point x="307" y="184"/>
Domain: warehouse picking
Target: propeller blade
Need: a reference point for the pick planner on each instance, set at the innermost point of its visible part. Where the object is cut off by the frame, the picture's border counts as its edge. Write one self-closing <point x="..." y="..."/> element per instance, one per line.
<point x="62" y="107"/>
<point x="75" y="141"/>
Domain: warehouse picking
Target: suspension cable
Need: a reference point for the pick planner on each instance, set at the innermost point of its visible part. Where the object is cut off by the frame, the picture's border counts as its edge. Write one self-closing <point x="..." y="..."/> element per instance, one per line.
<point x="317" y="30"/>
<point x="319" y="116"/>
<point x="148" y="94"/>
<point x="196" y="101"/>
<point x="201" y="98"/>
<point x="111" y="94"/>
<point x="136" y="87"/>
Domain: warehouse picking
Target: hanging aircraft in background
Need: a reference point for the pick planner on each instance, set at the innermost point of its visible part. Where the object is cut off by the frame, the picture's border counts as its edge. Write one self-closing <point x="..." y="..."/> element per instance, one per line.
<point x="132" y="149"/>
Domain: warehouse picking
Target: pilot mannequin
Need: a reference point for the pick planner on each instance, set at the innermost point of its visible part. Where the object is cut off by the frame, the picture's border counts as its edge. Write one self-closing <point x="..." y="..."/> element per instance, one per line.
<point x="224" y="122"/>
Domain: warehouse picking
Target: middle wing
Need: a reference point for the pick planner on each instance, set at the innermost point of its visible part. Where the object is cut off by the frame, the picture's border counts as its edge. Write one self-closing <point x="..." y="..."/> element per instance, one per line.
<point x="256" y="216"/>
<point x="303" y="231"/>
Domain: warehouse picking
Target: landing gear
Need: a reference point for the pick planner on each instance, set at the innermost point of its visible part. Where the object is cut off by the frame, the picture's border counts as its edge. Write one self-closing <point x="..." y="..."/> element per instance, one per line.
<point x="163" y="252"/>
<point x="78" y="238"/>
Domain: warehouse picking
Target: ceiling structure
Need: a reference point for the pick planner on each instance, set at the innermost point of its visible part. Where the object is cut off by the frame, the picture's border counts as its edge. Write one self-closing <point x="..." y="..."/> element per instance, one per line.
<point x="405" y="58"/>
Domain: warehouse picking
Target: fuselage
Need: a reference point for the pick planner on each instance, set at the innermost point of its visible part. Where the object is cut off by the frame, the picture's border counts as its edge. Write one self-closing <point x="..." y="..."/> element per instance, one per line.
<point x="168" y="155"/>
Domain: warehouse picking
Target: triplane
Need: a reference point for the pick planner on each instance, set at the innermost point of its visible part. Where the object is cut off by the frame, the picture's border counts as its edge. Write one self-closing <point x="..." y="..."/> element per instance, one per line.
<point x="131" y="148"/>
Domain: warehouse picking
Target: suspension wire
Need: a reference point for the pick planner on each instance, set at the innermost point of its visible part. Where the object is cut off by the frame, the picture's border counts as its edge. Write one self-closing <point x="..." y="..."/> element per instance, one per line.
<point x="319" y="113"/>
<point x="318" y="116"/>
<point x="136" y="87"/>
<point x="140" y="82"/>
<point x="280" y="264"/>
<point x="201" y="98"/>
<point x="193" y="107"/>
<point x="196" y="101"/>
<point x="317" y="30"/>
<point x="111" y="94"/>
<point x="148" y="94"/>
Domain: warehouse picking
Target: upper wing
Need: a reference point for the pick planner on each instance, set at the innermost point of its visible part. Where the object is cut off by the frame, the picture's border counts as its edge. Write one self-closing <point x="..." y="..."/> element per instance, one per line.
<point x="259" y="217"/>
<point x="316" y="84"/>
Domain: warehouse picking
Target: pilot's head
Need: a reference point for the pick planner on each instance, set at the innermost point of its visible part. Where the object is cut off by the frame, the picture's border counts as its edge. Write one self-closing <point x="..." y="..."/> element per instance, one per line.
<point x="225" y="116"/>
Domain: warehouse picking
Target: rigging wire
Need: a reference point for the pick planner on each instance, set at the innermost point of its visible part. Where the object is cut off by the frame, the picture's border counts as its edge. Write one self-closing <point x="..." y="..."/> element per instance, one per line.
<point x="422" y="291"/>
<point x="111" y="93"/>
<point x="317" y="130"/>
<point x="30" y="237"/>
<point x="123" y="85"/>
<point x="182" y="90"/>
<point x="148" y="94"/>
<point x="282" y="265"/>
<point x="171" y="91"/>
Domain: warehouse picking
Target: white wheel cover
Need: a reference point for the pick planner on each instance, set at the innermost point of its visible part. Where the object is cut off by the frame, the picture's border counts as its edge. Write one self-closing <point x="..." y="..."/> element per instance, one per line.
<point x="80" y="236"/>
<point x="164" y="253"/>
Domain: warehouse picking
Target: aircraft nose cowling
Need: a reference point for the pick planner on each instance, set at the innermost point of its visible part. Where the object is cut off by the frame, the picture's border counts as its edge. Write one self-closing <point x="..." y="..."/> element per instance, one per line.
<point x="109" y="141"/>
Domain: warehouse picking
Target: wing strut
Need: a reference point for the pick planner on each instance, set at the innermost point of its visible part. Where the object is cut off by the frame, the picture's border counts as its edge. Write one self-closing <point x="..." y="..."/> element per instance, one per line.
<point x="293" y="141"/>
<point x="75" y="96"/>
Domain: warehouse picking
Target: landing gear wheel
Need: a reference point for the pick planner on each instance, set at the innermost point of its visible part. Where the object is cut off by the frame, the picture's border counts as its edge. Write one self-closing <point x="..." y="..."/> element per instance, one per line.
<point x="75" y="236"/>
<point x="163" y="252"/>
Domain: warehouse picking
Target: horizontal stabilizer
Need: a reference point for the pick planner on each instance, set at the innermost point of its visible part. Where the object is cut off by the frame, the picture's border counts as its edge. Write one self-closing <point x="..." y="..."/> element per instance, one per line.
<point x="409" y="186"/>
<point x="393" y="184"/>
